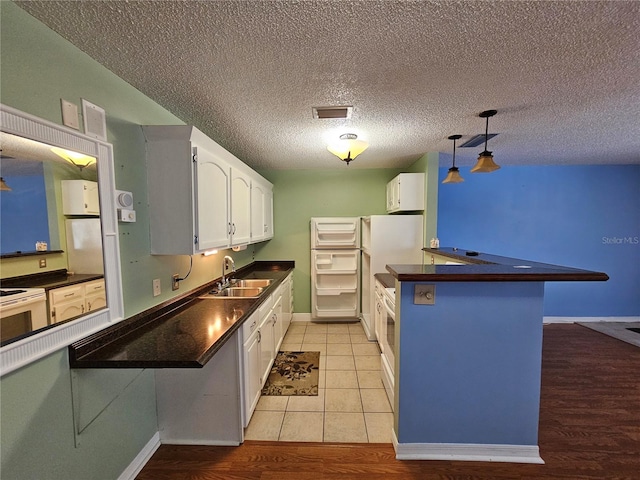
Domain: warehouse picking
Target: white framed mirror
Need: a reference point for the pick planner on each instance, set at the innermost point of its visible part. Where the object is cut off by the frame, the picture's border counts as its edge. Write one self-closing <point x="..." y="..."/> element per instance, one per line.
<point x="43" y="342"/>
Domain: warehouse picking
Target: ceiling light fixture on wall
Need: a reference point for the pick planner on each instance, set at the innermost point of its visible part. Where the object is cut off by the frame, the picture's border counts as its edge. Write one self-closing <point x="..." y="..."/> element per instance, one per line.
<point x="348" y="147"/>
<point x="485" y="161"/>
<point x="80" y="160"/>
<point x="454" y="175"/>
<point x="3" y="186"/>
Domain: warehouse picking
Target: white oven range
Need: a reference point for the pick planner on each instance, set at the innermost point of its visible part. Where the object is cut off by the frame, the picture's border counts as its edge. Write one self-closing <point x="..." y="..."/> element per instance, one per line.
<point x="387" y="340"/>
<point x="22" y="310"/>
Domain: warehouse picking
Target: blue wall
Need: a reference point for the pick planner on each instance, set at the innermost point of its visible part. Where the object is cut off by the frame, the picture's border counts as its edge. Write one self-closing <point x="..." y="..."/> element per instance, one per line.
<point x="585" y="216"/>
<point x="24" y="213"/>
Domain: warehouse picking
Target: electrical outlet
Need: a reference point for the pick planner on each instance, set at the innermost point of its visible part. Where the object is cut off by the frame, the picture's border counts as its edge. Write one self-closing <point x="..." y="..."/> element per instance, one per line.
<point x="156" y="287"/>
<point x="43" y="262"/>
<point x="175" y="282"/>
<point x="424" y="295"/>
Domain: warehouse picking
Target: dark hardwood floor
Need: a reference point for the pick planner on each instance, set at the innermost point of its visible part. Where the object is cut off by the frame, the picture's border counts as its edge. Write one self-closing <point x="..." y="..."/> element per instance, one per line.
<point x="589" y="429"/>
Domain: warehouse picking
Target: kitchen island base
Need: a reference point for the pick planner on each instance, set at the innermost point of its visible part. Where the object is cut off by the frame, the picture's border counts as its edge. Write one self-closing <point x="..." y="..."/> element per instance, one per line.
<point x="201" y="406"/>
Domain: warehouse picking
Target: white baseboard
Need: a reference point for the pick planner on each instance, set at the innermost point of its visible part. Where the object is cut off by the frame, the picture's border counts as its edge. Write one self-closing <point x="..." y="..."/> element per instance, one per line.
<point x="588" y="319"/>
<point x="469" y="452"/>
<point x="136" y="466"/>
<point x="301" y="317"/>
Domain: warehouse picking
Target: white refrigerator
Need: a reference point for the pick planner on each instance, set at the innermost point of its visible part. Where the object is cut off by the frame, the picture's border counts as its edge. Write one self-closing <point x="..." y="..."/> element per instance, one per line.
<point x="335" y="268"/>
<point x="84" y="245"/>
<point x="386" y="240"/>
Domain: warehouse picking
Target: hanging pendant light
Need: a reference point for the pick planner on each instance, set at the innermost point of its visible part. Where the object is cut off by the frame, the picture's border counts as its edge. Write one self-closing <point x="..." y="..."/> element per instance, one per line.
<point x="348" y="147"/>
<point x="3" y="186"/>
<point x="454" y="175"/>
<point x="485" y="161"/>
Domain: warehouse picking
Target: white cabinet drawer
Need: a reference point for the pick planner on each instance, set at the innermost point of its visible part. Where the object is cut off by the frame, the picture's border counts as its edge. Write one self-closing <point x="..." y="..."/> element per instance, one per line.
<point x="64" y="294"/>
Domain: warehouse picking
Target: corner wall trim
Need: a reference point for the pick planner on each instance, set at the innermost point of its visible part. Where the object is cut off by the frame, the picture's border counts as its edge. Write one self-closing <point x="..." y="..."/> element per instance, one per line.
<point x="138" y="463"/>
<point x="468" y="452"/>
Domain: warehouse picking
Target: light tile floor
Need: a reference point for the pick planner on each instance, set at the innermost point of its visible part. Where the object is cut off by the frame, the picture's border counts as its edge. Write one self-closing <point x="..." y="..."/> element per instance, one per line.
<point x="351" y="405"/>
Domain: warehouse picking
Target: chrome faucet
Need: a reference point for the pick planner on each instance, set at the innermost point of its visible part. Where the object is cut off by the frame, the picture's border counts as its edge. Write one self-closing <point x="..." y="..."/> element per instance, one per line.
<point x="225" y="265"/>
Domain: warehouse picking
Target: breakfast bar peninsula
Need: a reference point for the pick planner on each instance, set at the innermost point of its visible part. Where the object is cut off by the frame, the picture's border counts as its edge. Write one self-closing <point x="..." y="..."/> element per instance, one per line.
<point x="468" y="337"/>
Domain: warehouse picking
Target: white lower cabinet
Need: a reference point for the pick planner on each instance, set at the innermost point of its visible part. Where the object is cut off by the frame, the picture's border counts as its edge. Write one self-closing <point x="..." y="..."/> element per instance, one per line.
<point x="75" y="300"/>
<point x="262" y="336"/>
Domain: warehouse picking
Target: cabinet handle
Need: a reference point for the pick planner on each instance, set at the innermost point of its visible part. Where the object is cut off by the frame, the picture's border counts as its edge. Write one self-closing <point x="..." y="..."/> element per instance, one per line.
<point x="259" y="336"/>
<point x="69" y="295"/>
<point x="229" y="228"/>
<point x="234" y="228"/>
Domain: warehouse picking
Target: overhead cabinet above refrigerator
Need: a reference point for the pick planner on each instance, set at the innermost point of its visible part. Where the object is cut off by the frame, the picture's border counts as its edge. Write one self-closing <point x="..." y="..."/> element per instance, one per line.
<point x="335" y="268"/>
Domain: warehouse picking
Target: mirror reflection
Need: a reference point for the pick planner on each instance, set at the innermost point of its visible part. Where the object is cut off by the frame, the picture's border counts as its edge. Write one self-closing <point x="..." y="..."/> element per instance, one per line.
<point x="51" y="258"/>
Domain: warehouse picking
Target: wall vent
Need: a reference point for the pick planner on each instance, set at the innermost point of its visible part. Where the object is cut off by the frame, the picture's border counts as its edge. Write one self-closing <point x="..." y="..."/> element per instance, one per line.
<point x="332" y="112"/>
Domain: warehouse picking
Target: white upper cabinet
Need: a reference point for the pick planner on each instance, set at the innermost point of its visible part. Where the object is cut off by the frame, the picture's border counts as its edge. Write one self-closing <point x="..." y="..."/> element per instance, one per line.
<point x="261" y="211"/>
<point x="80" y="197"/>
<point x="199" y="194"/>
<point x="212" y="209"/>
<point x="405" y="193"/>
<point x="240" y="207"/>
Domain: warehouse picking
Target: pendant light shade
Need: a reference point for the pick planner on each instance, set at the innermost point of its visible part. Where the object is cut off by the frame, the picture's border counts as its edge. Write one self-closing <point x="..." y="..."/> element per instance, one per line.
<point x="3" y="186"/>
<point x="454" y="175"/>
<point x="485" y="163"/>
<point x="348" y="147"/>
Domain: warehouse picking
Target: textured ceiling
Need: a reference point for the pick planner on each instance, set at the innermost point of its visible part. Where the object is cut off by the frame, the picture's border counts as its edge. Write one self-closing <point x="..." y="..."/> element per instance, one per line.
<point x="563" y="75"/>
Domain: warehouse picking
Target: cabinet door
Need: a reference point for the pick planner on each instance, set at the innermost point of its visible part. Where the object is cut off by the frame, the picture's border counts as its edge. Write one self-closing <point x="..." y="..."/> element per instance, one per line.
<point x="80" y="197"/>
<point x="212" y="212"/>
<point x="268" y="214"/>
<point x="66" y="310"/>
<point x="240" y="208"/>
<point x="252" y="383"/>
<point x="258" y="221"/>
<point x="267" y="346"/>
<point x="95" y="296"/>
<point x="278" y="325"/>
<point x="393" y="194"/>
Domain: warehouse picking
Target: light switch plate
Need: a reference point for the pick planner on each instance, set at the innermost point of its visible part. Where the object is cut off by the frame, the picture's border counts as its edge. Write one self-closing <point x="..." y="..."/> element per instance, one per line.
<point x="424" y="295"/>
<point x="69" y="114"/>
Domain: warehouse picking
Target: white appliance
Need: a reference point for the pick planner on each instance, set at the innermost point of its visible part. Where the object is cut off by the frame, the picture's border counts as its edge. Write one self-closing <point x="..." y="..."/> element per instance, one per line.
<point x="335" y="268"/>
<point x="386" y="240"/>
<point x="84" y="245"/>
<point x="387" y="342"/>
<point x="22" y="310"/>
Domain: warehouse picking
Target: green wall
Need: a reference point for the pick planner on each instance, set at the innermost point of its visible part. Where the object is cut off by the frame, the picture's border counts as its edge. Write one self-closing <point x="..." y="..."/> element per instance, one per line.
<point x="302" y="194"/>
<point x="36" y="414"/>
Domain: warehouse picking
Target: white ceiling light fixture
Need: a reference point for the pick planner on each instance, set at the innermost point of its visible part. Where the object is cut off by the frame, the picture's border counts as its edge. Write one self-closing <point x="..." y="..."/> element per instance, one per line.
<point x="80" y="160"/>
<point x="454" y="174"/>
<point x="348" y="147"/>
<point x="485" y="163"/>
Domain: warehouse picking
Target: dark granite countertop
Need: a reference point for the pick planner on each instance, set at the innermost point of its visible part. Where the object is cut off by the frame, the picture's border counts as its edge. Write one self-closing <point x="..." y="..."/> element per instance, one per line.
<point x="485" y="267"/>
<point x="386" y="279"/>
<point x="182" y="333"/>
<point x="49" y="280"/>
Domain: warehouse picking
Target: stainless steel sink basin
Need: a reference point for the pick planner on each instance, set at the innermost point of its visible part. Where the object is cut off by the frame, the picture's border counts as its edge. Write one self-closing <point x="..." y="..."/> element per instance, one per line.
<point x="240" y="292"/>
<point x="253" y="282"/>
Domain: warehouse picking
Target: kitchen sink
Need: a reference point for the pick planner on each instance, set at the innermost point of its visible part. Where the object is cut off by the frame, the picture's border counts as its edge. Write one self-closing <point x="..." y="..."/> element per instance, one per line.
<point x="253" y="282"/>
<point x="240" y="292"/>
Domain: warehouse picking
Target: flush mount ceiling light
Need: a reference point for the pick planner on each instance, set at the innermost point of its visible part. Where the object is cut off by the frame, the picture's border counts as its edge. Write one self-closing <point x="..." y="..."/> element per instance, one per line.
<point x="348" y="147"/>
<point x="454" y="175"/>
<point x="80" y="160"/>
<point x="485" y="161"/>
